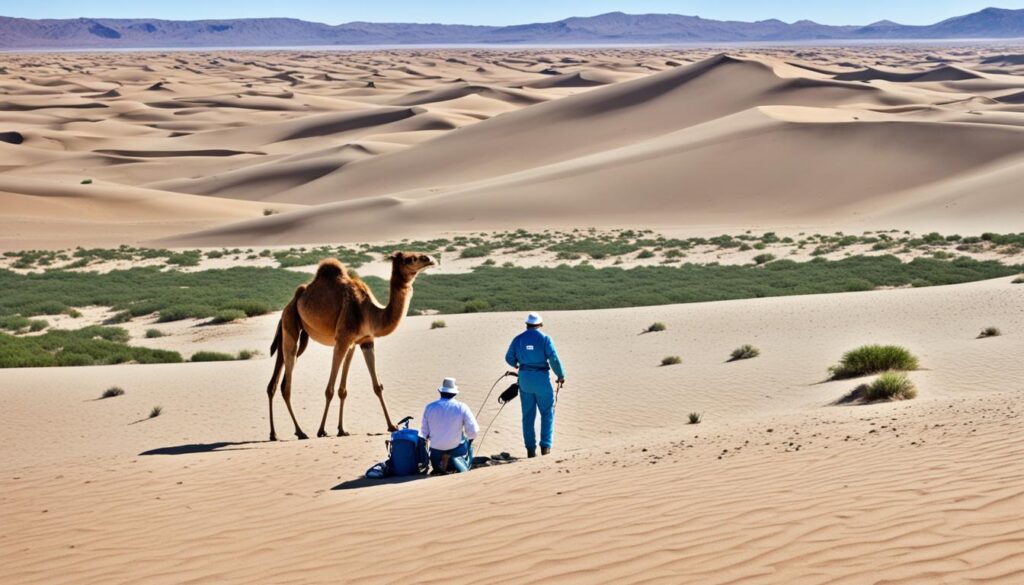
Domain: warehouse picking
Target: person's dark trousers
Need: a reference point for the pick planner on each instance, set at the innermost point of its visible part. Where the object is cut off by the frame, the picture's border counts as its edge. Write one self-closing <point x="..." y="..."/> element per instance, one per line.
<point x="460" y="459"/>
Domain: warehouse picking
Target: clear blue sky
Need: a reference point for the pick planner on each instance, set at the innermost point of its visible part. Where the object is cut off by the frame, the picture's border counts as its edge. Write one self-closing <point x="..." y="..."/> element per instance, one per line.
<point x="507" y="12"/>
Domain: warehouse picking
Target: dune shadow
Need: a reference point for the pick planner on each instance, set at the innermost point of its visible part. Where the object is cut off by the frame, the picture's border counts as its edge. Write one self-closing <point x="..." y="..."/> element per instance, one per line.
<point x="365" y="482"/>
<point x="201" y="448"/>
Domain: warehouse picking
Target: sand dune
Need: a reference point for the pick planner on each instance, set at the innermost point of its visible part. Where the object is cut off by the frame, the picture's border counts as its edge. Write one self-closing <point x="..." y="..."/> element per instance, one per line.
<point x="467" y="139"/>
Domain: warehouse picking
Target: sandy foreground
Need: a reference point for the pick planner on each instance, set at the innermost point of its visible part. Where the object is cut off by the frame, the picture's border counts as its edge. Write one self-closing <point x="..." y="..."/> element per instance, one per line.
<point x="777" y="485"/>
<point x="193" y="148"/>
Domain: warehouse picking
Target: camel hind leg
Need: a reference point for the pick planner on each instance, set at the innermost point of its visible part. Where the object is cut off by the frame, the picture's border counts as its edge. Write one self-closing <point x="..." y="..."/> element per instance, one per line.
<point x="289" y="352"/>
<point x="272" y="388"/>
<point x="343" y="391"/>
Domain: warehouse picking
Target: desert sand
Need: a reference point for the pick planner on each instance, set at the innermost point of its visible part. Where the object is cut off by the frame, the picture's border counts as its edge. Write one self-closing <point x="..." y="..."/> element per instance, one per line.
<point x="357" y="146"/>
<point x="776" y="485"/>
<point x="781" y="482"/>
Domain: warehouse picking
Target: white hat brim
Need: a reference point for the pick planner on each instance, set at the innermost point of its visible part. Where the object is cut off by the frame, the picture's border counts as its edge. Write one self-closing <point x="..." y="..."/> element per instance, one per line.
<point x="444" y="390"/>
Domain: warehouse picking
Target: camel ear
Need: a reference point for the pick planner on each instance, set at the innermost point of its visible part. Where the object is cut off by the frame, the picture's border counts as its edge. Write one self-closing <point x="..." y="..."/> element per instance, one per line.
<point x="395" y="256"/>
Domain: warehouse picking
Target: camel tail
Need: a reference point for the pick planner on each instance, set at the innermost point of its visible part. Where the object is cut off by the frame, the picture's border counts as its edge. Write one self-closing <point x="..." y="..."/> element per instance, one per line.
<point x="277" y="340"/>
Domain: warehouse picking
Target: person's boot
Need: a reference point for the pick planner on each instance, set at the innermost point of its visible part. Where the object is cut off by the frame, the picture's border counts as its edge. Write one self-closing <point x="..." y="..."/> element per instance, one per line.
<point x="545" y="450"/>
<point x="531" y="453"/>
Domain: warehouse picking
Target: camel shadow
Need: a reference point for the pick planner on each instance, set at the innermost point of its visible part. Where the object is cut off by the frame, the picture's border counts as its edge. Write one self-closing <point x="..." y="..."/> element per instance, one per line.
<point x="202" y="448"/>
<point x="365" y="482"/>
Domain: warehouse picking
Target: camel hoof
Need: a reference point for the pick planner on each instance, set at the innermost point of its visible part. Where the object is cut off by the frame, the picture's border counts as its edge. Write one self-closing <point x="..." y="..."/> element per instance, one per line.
<point x="273" y="437"/>
<point x="392" y="429"/>
<point x="342" y="433"/>
<point x="301" y="435"/>
<point x="321" y="433"/>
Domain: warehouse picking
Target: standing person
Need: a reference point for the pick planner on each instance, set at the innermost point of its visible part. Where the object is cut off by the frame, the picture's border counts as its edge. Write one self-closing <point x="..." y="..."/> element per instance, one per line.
<point x="533" y="352"/>
<point x="450" y="427"/>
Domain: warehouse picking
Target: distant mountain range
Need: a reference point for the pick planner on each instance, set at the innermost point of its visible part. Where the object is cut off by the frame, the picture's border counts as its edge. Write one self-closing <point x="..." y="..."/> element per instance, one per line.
<point x="611" y="28"/>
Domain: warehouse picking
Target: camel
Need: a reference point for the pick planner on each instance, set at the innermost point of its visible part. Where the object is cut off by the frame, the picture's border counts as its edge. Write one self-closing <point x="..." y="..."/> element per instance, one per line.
<point x="338" y="310"/>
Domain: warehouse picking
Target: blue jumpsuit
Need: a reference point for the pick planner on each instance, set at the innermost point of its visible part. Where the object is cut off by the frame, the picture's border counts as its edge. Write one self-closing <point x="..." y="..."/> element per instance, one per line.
<point x="532" y="351"/>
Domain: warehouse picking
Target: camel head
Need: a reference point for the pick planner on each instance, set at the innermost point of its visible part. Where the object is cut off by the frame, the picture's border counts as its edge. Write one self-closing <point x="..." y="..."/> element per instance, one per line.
<point x="409" y="264"/>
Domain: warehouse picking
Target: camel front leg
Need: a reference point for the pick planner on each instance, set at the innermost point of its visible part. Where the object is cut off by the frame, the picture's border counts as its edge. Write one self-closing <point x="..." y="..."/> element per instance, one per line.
<point x="343" y="391"/>
<point x="378" y="388"/>
<point x="339" y="352"/>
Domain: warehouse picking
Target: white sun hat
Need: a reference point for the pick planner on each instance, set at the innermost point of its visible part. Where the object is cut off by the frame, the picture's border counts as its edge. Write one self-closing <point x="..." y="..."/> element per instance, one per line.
<point x="448" y="386"/>
<point x="534" y="319"/>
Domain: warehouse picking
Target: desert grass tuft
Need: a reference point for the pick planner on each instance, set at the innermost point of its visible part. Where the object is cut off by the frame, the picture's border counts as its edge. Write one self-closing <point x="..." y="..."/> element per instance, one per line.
<point x="212" y="356"/>
<point x="154" y="333"/>
<point x="890" y="386"/>
<point x="156" y="411"/>
<point x="672" y="360"/>
<point x="872" y="359"/>
<point x="695" y="418"/>
<point x="247" y="354"/>
<point x="112" y="392"/>
<point x="439" y="324"/>
<point x="990" y="332"/>
<point x="744" y="352"/>
<point x="656" y="327"/>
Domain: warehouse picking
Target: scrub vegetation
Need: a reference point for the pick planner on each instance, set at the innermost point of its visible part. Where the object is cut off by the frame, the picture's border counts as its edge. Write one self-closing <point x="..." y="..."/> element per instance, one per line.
<point x="656" y="327"/>
<point x="990" y="332"/>
<point x="890" y="386"/>
<point x="744" y="352"/>
<point x="672" y="360"/>
<point x="89" y="346"/>
<point x="586" y="287"/>
<point x="694" y="418"/>
<point x="872" y="359"/>
<point x="112" y="392"/>
<point x="439" y="324"/>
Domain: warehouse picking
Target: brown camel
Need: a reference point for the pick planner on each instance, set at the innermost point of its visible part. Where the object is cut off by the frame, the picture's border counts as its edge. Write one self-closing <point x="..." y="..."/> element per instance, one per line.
<point x="338" y="310"/>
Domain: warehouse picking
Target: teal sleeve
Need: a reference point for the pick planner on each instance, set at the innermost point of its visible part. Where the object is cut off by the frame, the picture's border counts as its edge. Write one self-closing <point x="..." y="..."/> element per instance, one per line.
<point x="556" y="364"/>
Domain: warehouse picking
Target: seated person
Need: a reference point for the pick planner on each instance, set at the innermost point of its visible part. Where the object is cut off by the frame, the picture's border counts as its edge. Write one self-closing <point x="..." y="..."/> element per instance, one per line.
<point x="444" y="421"/>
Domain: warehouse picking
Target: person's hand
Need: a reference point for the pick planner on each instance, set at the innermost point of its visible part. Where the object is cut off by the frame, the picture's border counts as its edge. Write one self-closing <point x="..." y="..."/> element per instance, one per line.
<point x="561" y="381"/>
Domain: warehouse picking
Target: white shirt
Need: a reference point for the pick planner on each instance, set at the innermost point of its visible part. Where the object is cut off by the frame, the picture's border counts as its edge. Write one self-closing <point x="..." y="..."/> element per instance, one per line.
<point x="443" y="422"/>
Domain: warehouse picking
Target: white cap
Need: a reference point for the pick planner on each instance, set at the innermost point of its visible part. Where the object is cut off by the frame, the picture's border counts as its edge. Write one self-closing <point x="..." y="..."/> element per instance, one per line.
<point x="534" y="319"/>
<point x="448" y="386"/>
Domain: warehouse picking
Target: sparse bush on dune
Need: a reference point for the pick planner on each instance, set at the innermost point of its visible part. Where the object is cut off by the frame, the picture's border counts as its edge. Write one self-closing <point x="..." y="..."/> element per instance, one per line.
<point x="227" y="316"/>
<point x="112" y="392"/>
<point x="212" y="356"/>
<point x="156" y="411"/>
<point x="990" y="332"/>
<point x="872" y="359"/>
<point x="154" y="333"/>
<point x="889" y="386"/>
<point x="656" y="327"/>
<point x="763" y="259"/>
<point x="694" y="418"/>
<point x="744" y="352"/>
<point x="439" y="324"/>
<point x="672" y="360"/>
<point x="247" y="354"/>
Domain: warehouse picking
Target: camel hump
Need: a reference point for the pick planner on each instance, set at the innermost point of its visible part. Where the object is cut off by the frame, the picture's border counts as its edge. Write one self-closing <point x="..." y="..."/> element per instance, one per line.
<point x="331" y="269"/>
<point x="299" y="290"/>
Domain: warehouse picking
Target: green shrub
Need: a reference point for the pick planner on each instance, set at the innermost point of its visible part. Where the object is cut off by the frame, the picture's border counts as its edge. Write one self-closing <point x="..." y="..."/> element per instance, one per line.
<point x="656" y="327"/>
<point x="890" y="386"/>
<point x="475" y="252"/>
<point x="672" y="360"/>
<point x="269" y="211"/>
<point x="112" y="392"/>
<point x="156" y="411"/>
<point x="476" y="306"/>
<point x="93" y="345"/>
<point x="36" y="325"/>
<point x="212" y="356"/>
<point x="763" y="259"/>
<point x="247" y="354"/>
<point x="645" y="254"/>
<point x="990" y="332"/>
<point x="871" y="359"/>
<point x="153" y="333"/>
<point x="694" y="418"/>
<point x="744" y="352"/>
<point x="86" y="182"/>
<point x="227" y="316"/>
<point x="439" y="324"/>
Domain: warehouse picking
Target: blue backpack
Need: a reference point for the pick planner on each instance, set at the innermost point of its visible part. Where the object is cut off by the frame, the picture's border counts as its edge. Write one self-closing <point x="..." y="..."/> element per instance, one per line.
<point x="407" y="454"/>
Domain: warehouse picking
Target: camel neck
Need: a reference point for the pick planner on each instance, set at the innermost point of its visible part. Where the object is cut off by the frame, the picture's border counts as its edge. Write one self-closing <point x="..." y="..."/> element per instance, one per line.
<point x="398" y="300"/>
